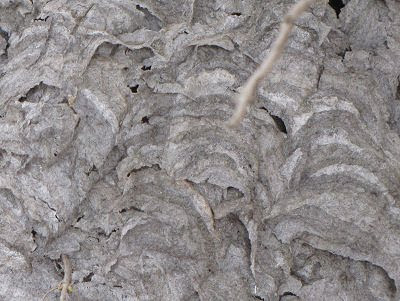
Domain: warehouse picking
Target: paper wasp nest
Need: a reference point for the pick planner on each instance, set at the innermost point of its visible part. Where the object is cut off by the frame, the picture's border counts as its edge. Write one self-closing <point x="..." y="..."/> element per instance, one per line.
<point x="114" y="151"/>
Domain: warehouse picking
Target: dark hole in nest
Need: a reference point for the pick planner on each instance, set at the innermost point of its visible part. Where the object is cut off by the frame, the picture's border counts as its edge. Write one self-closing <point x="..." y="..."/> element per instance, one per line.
<point x="4" y="34"/>
<point x="58" y="265"/>
<point x="337" y="5"/>
<point x="154" y="22"/>
<point x="146" y="68"/>
<point x="22" y="99"/>
<point x="138" y="7"/>
<point x="278" y="121"/>
<point x="79" y="218"/>
<point x="342" y="54"/>
<point x="41" y="19"/>
<point x="58" y="218"/>
<point x="131" y="208"/>
<point x="88" y="278"/>
<point x="236" y="14"/>
<point x="288" y="294"/>
<point x="145" y="119"/>
<point x="93" y="168"/>
<point x="233" y="193"/>
<point x="134" y="88"/>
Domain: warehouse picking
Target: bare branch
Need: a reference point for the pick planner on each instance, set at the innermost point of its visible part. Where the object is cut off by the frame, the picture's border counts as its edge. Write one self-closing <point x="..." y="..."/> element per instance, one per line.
<point x="248" y="91"/>
<point x="66" y="284"/>
<point x="52" y="290"/>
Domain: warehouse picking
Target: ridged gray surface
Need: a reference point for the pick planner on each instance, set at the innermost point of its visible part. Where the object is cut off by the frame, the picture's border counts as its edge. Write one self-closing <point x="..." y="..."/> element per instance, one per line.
<point x="114" y="151"/>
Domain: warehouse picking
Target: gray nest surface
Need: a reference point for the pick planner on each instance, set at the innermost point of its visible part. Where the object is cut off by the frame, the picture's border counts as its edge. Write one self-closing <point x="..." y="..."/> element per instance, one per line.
<point x="114" y="151"/>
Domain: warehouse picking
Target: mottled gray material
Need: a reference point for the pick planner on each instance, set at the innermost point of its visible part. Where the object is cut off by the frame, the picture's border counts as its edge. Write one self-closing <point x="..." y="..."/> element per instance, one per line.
<point x="114" y="151"/>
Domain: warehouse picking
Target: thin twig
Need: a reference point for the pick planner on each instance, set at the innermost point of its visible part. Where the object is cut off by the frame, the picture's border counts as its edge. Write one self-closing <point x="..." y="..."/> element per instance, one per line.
<point x="52" y="290"/>
<point x="247" y="94"/>
<point x="66" y="284"/>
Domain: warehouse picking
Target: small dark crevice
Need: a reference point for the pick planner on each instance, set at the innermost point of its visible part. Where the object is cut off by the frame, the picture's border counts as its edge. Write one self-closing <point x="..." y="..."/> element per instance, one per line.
<point x="258" y="297"/>
<point x="88" y="278"/>
<point x="59" y="268"/>
<point x="398" y="89"/>
<point x="91" y="169"/>
<point x="131" y="208"/>
<point x="320" y="71"/>
<point x="145" y="119"/>
<point x="337" y="5"/>
<point x="2" y="154"/>
<point x="41" y="19"/>
<point x="278" y="121"/>
<point x="134" y="88"/>
<point x="236" y="14"/>
<point x="102" y="233"/>
<point x="142" y="9"/>
<point x="392" y="285"/>
<point x="117" y="286"/>
<point x="48" y="206"/>
<point x="212" y="213"/>
<point x="152" y="22"/>
<point x="286" y="294"/>
<point x="58" y="219"/>
<point x="4" y="34"/>
<point x="22" y="99"/>
<point x="233" y="193"/>
<point x="385" y="43"/>
<point x="146" y="68"/>
<point x="154" y="167"/>
<point x="342" y="54"/>
<point x="33" y="232"/>
<point x="34" y="94"/>
<point x="79" y="218"/>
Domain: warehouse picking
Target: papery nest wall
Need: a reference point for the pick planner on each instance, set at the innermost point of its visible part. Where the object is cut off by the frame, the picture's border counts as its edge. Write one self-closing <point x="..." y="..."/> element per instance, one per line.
<point x="114" y="151"/>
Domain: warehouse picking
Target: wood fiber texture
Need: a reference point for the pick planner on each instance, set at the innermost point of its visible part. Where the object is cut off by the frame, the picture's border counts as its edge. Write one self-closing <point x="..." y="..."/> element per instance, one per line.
<point x="114" y="151"/>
